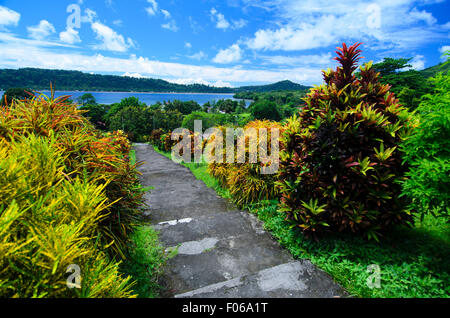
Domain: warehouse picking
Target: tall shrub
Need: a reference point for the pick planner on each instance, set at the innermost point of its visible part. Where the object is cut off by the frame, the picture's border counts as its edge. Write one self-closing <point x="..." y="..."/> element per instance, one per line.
<point x="341" y="166"/>
<point x="428" y="153"/>
<point x="87" y="153"/>
<point x="246" y="182"/>
<point x="67" y="199"/>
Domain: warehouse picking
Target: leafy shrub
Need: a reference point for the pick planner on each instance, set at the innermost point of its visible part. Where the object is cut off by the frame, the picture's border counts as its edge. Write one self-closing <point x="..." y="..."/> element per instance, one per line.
<point x="155" y="137"/>
<point x="96" y="114"/>
<point x="87" y="154"/>
<point x="408" y="85"/>
<point x="16" y="93"/>
<point x="246" y="182"/>
<point x="428" y="152"/>
<point x="209" y="120"/>
<point x="266" y="110"/>
<point x="341" y="167"/>
<point x="139" y="122"/>
<point x="184" y="108"/>
<point x="50" y="220"/>
<point x="124" y="103"/>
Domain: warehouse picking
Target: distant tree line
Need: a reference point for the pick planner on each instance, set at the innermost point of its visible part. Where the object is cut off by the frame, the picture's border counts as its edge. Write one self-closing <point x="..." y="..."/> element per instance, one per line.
<point x="40" y="79"/>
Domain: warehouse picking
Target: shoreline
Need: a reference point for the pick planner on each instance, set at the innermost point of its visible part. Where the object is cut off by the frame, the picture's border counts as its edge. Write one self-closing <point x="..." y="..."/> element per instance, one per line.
<point x="155" y="93"/>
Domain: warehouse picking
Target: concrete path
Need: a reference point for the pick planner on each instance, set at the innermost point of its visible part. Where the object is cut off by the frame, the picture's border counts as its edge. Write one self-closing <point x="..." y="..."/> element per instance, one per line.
<point x="222" y="252"/>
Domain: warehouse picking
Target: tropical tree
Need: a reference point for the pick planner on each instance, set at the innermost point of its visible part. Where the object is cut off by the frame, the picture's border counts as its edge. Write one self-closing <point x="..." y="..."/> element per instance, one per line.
<point x="19" y="93"/>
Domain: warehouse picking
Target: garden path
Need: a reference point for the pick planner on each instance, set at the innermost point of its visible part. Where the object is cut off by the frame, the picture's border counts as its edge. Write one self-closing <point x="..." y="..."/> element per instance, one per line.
<point x="222" y="252"/>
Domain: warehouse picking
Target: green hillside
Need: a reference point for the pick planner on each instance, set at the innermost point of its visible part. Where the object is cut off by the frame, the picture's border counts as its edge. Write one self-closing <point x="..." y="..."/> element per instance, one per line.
<point x="432" y="71"/>
<point x="280" y="86"/>
<point x="40" y="79"/>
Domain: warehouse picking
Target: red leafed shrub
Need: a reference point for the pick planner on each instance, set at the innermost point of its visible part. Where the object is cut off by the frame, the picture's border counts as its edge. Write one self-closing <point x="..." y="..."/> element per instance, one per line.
<point x="340" y="164"/>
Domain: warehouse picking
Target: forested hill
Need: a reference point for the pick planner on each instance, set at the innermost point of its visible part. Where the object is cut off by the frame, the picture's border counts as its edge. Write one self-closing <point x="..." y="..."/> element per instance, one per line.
<point x="280" y="86"/>
<point x="40" y="79"/>
<point x="432" y="71"/>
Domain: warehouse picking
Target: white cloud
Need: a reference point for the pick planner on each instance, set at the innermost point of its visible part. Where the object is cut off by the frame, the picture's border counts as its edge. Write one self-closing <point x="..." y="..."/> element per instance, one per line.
<point x="222" y="23"/>
<point x="444" y="49"/>
<point x="166" y="13"/>
<point x="423" y="15"/>
<point x="195" y="26"/>
<point x="190" y="81"/>
<point x="8" y="17"/>
<point x="311" y="24"/>
<point x="239" y="24"/>
<point x="229" y="55"/>
<point x="70" y="36"/>
<point x="171" y="25"/>
<point x="418" y="62"/>
<point x="118" y="22"/>
<point x="219" y="19"/>
<point x="298" y="60"/>
<point x="198" y="56"/>
<point x="110" y="39"/>
<point x="89" y="16"/>
<point x="153" y="7"/>
<point x="187" y="45"/>
<point x="31" y="53"/>
<point x="41" y="31"/>
<point x="133" y="75"/>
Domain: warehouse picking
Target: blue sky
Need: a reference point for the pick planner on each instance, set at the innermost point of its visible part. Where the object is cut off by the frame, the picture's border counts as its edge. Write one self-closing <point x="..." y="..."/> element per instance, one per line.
<point x="222" y="43"/>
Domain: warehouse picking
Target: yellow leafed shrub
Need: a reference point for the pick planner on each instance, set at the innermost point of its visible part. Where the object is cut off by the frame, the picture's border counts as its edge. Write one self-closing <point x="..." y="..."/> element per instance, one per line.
<point x="68" y="196"/>
<point x="245" y="180"/>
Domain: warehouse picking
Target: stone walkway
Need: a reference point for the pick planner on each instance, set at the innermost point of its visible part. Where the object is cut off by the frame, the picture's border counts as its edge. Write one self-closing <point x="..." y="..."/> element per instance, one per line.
<point x="222" y="252"/>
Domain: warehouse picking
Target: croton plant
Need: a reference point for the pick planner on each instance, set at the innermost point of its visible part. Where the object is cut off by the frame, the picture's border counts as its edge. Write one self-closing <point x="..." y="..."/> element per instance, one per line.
<point x="341" y="163"/>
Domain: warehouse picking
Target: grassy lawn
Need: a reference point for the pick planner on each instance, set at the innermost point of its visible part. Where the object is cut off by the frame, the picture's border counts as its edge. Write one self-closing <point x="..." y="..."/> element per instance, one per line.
<point x="146" y="256"/>
<point x="145" y="261"/>
<point x="413" y="262"/>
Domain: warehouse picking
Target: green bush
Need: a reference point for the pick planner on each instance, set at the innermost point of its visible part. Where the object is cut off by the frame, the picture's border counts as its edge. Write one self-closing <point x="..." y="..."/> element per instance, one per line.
<point x="183" y="107"/>
<point x="266" y="110"/>
<point x="245" y="181"/>
<point x="96" y="114"/>
<point x="16" y="93"/>
<point x="49" y="221"/>
<point x="209" y="120"/>
<point x="139" y="122"/>
<point x="427" y="150"/>
<point x="341" y="167"/>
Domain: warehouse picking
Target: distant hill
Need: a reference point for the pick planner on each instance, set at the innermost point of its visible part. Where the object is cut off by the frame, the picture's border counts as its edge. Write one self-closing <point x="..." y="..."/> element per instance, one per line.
<point x="432" y="71"/>
<point x="40" y="79"/>
<point x="280" y="86"/>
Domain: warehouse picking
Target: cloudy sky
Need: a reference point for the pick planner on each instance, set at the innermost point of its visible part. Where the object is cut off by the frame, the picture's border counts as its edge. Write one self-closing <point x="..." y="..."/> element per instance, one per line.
<point x="223" y="43"/>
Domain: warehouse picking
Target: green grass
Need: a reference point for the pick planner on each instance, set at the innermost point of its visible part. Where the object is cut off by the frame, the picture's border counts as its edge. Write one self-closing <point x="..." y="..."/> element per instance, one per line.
<point x="413" y="262"/>
<point x="146" y="256"/>
<point x="145" y="261"/>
